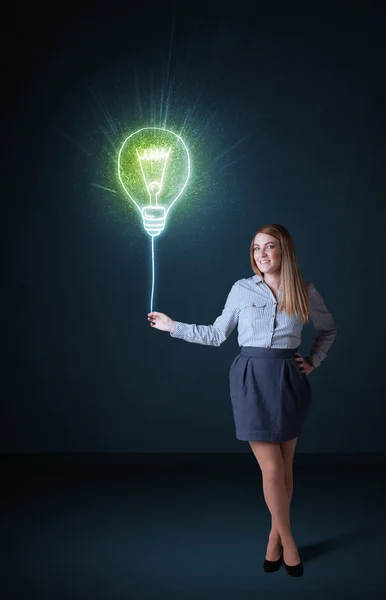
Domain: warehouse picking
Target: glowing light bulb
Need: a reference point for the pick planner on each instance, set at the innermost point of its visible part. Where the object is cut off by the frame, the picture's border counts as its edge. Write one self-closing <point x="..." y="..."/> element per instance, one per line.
<point x="153" y="168"/>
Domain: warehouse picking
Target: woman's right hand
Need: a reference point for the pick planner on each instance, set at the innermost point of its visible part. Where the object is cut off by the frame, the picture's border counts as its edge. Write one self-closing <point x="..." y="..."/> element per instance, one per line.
<point x="160" y="321"/>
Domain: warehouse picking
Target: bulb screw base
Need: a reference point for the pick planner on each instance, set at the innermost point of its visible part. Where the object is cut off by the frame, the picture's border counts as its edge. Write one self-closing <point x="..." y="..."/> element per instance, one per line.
<point x="154" y="219"/>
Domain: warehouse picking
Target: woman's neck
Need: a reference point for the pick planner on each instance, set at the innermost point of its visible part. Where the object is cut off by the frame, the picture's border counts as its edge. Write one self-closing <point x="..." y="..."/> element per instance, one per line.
<point x="273" y="281"/>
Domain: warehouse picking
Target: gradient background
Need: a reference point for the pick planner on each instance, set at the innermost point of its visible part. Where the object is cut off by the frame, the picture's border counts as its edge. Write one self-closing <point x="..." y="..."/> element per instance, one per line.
<point x="284" y="111"/>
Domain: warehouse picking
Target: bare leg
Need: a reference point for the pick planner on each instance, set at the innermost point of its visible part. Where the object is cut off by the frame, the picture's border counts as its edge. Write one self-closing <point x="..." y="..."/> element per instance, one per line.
<point x="274" y="539"/>
<point x="287" y="452"/>
<point x="268" y="455"/>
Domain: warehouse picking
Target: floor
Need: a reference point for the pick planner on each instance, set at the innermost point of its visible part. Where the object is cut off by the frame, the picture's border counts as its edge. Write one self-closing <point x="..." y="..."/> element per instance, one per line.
<point x="186" y="532"/>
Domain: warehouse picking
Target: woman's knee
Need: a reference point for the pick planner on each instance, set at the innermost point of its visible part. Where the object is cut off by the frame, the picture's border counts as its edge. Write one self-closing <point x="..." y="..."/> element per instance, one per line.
<point x="273" y="471"/>
<point x="270" y="459"/>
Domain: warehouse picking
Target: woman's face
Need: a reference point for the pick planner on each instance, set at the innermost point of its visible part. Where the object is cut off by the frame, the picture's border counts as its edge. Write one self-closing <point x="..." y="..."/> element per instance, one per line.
<point x="267" y="253"/>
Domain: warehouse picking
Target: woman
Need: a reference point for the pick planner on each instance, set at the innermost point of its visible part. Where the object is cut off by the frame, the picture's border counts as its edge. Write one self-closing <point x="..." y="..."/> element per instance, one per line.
<point x="269" y="386"/>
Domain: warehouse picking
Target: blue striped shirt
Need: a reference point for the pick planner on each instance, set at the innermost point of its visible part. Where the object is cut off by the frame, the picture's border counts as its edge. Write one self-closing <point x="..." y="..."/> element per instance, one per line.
<point x="252" y="307"/>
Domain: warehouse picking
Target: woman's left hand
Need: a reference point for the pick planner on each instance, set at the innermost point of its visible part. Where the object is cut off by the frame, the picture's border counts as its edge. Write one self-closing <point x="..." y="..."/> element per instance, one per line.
<point x="304" y="365"/>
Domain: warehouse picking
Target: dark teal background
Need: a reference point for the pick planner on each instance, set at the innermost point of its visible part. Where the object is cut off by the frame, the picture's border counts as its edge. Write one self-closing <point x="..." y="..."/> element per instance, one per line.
<point x="284" y="111"/>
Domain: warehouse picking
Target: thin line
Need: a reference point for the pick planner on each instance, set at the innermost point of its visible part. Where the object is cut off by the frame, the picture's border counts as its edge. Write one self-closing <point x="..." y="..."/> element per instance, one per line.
<point x="138" y="95"/>
<point x="163" y="170"/>
<point x="152" y="264"/>
<point x="104" y="188"/>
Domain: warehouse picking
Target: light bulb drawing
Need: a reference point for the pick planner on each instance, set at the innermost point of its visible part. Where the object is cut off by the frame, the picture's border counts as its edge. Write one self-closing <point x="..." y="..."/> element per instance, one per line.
<point x="153" y="168"/>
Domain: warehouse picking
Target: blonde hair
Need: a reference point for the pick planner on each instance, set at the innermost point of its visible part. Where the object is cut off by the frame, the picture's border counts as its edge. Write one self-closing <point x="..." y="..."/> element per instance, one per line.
<point x="294" y="297"/>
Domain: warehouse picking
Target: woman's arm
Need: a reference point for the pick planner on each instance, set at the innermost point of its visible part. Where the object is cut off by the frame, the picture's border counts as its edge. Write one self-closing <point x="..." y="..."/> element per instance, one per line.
<point x="216" y="334"/>
<point x="324" y="325"/>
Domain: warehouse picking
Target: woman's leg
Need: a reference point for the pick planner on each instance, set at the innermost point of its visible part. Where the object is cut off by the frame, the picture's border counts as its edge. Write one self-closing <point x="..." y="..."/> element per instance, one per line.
<point x="269" y="457"/>
<point x="287" y="451"/>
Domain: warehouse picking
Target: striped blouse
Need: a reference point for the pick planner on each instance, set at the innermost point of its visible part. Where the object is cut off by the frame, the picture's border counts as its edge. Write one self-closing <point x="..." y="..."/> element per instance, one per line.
<point x="252" y="307"/>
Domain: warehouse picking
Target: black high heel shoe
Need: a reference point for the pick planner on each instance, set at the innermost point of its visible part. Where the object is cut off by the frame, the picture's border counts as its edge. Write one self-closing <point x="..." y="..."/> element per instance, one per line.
<point x="270" y="566"/>
<point x="296" y="570"/>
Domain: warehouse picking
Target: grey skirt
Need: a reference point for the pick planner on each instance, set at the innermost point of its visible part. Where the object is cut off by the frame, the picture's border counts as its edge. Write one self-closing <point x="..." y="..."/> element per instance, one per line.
<point x="270" y="395"/>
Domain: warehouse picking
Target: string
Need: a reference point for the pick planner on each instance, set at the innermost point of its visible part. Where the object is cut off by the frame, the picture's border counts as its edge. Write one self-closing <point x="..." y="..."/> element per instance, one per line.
<point x="152" y="269"/>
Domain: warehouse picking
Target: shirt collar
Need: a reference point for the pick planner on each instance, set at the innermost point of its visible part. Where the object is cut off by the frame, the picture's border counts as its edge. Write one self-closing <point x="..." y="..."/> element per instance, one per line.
<point x="257" y="278"/>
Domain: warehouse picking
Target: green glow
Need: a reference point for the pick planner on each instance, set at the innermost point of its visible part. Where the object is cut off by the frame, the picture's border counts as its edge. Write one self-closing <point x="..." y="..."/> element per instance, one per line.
<point x="153" y="168"/>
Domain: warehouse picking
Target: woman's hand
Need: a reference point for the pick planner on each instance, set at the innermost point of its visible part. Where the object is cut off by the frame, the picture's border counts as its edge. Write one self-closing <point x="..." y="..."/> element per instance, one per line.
<point x="304" y="365"/>
<point x="160" y="321"/>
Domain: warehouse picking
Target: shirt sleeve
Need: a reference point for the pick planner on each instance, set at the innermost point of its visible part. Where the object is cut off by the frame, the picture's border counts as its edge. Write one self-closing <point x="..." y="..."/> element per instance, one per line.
<point x="324" y="325"/>
<point x="216" y="334"/>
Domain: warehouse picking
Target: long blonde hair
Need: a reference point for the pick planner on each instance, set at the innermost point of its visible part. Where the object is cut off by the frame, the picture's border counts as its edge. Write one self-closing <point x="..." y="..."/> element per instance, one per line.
<point x="294" y="297"/>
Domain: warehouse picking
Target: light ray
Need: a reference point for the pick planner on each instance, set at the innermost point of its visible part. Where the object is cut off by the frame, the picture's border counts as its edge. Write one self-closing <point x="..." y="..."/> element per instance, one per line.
<point x="104" y="188"/>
